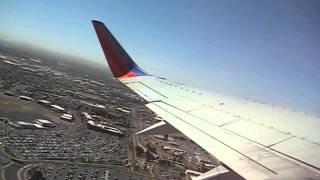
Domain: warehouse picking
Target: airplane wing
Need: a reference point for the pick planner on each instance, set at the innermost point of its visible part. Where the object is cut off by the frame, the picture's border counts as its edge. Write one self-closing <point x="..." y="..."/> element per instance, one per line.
<point x="254" y="139"/>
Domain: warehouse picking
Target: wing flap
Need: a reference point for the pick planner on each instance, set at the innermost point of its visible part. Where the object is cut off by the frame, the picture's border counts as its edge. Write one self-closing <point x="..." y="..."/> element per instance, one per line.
<point x="248" y="159"/>
<point x="243" y="165"/>
<point x="214" y="116"/>
<point x="300" y="149"/>
<point x="258" y="133"/>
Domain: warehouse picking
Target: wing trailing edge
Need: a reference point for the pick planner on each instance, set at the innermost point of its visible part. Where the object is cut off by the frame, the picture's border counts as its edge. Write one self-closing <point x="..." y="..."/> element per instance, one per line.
<point x="160" y="128"/>
<point x="120" y="63"/>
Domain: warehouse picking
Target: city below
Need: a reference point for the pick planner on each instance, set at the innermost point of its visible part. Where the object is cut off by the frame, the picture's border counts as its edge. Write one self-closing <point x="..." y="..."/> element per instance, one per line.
<point x="63" y="120"/>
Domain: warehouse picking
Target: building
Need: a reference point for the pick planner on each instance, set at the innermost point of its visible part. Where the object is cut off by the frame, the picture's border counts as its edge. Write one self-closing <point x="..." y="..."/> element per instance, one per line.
<point x="45" y="123"/>
<point x="38" y="126"/>
<point x="9" y="93"/>
<point x="87" y="116"/>
<point x="178" y="150"/>
<point x="67" y="117"/>
<point x="27" y="125"/>
<point x="172" y="143"/>
<point x="43" y="102"/>
<point x="123" y="110"/>
<point x="26" y="98"/>
<point x="56" y="107"/>
<point x="103" y="128"/>
<point x="14" y="125"/>
<point x="166" y="148"/>
<point x="95" y="106"/>
<point x="10" y="62"/>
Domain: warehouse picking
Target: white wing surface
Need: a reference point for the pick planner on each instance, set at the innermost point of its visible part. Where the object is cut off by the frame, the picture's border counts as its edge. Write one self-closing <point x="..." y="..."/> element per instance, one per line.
<point x="253" y="139"/>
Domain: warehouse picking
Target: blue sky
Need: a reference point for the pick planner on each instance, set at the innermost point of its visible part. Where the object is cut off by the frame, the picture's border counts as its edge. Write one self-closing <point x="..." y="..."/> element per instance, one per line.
<point x="267" y="50"/>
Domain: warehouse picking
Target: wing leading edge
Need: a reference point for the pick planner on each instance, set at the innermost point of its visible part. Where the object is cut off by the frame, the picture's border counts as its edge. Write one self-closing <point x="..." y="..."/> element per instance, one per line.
<point x="253" y="139"/>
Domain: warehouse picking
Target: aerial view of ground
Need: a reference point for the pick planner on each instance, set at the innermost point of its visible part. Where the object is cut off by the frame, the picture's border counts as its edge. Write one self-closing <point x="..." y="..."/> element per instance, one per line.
<point x="63" y="120"/>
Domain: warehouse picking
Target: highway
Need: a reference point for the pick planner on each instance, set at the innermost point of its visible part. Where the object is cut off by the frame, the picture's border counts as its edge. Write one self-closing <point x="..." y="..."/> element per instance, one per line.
<point x="3" y="170"/>
<point x="132" y="153"/>
<point x="22" y="172"/>
<point x="139" y="140"/>
<point x="8" y="172"/>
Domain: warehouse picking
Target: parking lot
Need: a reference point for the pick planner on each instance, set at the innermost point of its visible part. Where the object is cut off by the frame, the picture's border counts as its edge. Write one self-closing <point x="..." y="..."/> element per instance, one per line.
<point x="86" y="172"/>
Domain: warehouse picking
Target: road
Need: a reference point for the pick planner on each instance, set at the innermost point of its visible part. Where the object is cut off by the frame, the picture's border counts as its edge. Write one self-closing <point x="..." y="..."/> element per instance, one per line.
<point x="11" y="167"/>
<point x="139" y="140"/>
<point x="22" y="172"/>
<point x="11" y="172"/>
<point x="3" y="170"/>
<point x="132" y="117"/>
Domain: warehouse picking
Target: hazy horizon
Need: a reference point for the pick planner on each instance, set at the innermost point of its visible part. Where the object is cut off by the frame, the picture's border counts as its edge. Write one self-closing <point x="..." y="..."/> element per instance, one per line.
<point x="29" y="45"/>
<point x="264" y="50"/>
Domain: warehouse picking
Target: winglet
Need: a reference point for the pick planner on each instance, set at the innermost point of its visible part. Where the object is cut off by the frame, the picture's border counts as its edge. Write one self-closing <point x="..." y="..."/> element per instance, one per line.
<point x="120" y="63"/>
